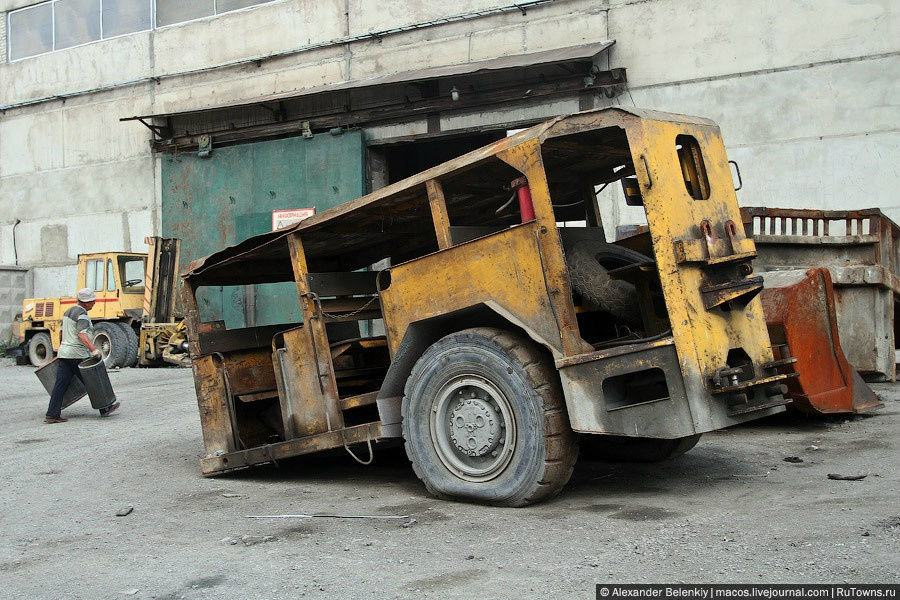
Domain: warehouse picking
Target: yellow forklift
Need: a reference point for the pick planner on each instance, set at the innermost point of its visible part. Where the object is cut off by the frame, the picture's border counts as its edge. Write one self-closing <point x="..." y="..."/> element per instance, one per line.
<point x="134" y="321"/>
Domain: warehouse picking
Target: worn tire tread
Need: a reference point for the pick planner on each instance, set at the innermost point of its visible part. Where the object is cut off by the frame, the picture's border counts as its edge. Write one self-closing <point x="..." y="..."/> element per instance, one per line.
<point x="560" y="442"/>
<point x="132" y="341"/>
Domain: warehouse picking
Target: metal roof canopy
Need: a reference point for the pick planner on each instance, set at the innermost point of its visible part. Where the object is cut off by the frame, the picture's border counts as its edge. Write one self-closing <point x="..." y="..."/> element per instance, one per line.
<point x="582" y="53"/>
<point x="363" y="228"/>
<point x="585" y="75"/>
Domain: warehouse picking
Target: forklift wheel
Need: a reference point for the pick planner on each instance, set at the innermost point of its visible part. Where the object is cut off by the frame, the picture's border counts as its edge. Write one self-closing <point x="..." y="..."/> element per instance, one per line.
<point x="40" y="349"/>
<point x="484" y="420"/>
<point x="110" y="340"/>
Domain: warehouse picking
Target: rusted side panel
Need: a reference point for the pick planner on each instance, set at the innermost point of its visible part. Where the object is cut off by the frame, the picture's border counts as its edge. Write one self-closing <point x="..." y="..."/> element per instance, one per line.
<point x="317" y="346"/>
<point x="504" y="270"/>
<point x="212" y="400"/>
<point x="191" y="316"/>
<point x="800" y="310"/>
<point x="249" y="371"/>
<point x="302" y="400"/>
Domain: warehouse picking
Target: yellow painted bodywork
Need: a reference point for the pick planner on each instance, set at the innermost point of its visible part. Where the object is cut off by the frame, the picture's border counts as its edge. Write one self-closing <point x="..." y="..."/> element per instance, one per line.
<point x="503" y="270"/>
<point x="702" y="337"/>
<point x="521" y="273"/>
<point x="162" y="341"/>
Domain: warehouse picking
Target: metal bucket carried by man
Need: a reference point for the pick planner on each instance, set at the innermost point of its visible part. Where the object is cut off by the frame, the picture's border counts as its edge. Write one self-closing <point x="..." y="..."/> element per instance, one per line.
<point x="78" y="359"/>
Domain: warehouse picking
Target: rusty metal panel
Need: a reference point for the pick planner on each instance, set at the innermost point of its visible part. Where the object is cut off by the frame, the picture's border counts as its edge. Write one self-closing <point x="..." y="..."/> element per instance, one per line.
<point x="213" y="402"/>
<point x="358" y="434"/>
<point x="302" y="401"/>
<point x="313" y="344"/>
<point x="218" y="339"/>
<point x="248" y="371"/>
<point x="861" y="249"/>
<point x="800" y="311"/>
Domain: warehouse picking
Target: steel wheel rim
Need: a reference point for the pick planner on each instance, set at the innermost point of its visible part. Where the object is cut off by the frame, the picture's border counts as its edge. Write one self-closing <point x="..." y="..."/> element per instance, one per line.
<point x="104" y="345"/>
<point x="472" y="428"/>
<point x="40" y="349"/>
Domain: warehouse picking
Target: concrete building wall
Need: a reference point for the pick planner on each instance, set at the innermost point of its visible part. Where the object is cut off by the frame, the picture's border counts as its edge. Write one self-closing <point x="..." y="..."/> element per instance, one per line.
<point x="14" y="287"/>
<point x="77" y="180"/>
<point x="805" y="93"/>
<point x="2" y="37"/>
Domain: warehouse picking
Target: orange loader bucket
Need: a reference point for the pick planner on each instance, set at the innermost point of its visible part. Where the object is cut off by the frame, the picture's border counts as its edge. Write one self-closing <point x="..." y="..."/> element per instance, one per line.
<point x="800" y="312"/>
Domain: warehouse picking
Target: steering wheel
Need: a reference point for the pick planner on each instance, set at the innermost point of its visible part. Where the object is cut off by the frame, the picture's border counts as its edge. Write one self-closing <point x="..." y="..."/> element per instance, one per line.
<point x="131" y="282"/>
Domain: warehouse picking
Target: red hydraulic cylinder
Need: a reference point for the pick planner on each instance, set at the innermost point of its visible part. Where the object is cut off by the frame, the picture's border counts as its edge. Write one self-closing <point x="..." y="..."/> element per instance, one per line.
<point x="526" y="207"/>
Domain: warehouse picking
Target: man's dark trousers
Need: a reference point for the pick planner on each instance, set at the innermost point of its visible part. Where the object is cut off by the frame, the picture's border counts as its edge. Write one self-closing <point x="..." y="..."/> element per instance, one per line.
<point x="66" y="369"/>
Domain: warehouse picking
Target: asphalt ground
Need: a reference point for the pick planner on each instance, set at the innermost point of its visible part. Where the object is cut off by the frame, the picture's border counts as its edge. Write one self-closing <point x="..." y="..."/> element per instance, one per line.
<point x="731" y="510"/>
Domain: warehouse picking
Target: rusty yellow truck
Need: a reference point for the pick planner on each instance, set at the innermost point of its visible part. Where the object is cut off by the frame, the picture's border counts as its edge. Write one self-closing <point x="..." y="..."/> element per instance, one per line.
<point x="134" y="322"/>
<point x="509" y="339"/>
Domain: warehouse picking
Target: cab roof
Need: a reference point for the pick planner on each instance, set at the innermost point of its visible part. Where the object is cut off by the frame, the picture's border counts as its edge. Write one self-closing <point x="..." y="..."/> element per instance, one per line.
<point x="396" y="221"/>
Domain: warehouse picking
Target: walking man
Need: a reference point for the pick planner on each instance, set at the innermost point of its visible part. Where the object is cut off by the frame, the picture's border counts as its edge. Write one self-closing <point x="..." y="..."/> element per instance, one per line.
<point x="77" y="344"/>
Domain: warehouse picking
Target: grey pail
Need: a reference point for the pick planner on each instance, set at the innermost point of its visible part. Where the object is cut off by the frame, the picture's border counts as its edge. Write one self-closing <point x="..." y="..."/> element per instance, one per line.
<point x="47" y="376"/>
<point x="96" y="382"/>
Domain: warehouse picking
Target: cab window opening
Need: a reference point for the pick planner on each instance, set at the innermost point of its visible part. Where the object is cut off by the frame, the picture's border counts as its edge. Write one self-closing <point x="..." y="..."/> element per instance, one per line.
<point x="693" y="168"/>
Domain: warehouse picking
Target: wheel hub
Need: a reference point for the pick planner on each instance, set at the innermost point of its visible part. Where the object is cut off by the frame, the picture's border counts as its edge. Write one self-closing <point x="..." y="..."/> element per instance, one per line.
<point x="104" y="345"/>
<point x="474" y="427"/>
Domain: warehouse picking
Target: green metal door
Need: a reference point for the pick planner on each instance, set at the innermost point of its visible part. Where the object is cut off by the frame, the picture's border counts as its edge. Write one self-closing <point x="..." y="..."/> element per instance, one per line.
<point x="229" y="196"/>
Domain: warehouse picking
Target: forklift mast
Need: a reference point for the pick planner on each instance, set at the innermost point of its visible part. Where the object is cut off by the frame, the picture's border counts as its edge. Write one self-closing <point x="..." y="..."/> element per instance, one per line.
<point x="160" y="289"/>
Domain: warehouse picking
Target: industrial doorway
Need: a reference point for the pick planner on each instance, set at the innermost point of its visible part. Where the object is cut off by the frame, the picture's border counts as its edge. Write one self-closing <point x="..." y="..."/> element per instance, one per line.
<point x="229" y="195"/>
<point x="404" y="159"/>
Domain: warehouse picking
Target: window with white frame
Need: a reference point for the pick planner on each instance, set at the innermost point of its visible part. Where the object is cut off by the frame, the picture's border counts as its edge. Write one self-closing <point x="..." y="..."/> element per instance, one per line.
<point x="169" y="12"/>
<point x="75" y="22"/>
<point x="30" y="31"/>
<point x="60" y="24"/>
<point x="121" y="17"/>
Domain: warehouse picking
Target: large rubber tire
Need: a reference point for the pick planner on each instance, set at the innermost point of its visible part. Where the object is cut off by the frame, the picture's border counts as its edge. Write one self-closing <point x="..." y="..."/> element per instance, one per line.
<point x="484" y="420"/>
<point x="612" y="448"/>
<point x="612" y="256"/>
<point x="110" y="339"/>
<point x="589" y="263"/>
<point x="40" y="349"/>
<point x="131" y="341"/>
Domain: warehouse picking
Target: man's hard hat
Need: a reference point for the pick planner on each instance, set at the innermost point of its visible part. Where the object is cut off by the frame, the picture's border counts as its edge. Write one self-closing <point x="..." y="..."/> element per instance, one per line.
<point x="86" y="295"/>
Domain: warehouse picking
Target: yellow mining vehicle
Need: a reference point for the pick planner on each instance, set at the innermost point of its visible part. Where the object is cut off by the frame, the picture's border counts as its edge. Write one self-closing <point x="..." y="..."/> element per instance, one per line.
<point x="510" y="339"/>
<point x="133" y="317"/>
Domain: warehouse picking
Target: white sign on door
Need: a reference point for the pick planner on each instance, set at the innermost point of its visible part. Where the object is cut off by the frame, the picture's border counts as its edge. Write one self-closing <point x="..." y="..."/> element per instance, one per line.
<point x="286" y="218"/>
